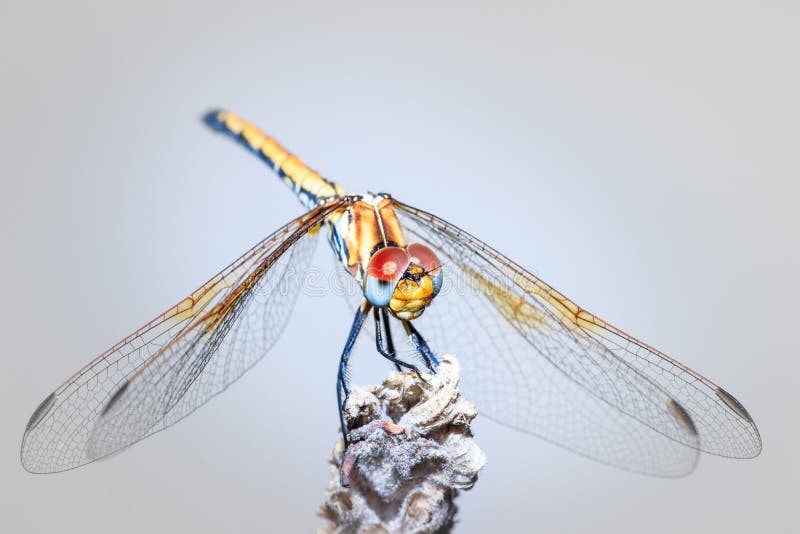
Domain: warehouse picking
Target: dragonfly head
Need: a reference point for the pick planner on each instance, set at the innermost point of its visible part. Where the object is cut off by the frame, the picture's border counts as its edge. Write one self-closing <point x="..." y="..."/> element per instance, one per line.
<point x="403" y="279"/>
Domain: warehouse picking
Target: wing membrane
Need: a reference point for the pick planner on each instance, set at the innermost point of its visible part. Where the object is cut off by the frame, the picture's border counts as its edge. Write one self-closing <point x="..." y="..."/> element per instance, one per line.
<point x="176" y="362"/>
<point x="536" y="361"/>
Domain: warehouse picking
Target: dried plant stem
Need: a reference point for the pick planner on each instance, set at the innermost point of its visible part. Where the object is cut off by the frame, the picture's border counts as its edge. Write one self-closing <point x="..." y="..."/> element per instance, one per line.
<point x="410" y="452"/>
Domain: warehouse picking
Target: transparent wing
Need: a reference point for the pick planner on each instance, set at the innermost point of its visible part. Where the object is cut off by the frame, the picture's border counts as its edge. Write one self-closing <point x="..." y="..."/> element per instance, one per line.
<point x="535" y="361"/>
<point x="178" y="361"/>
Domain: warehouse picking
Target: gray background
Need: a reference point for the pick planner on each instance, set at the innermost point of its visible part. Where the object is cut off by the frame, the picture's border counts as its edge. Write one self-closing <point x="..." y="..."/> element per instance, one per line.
<point x="642" y="159"/>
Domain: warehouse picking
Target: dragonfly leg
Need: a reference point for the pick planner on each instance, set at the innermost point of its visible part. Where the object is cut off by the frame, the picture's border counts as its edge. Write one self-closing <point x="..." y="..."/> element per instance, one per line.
<point x="422" y="346"/>
<point x="382" y="318"/>
<point x="342" y="386"/>
<point x="389" y="343"/>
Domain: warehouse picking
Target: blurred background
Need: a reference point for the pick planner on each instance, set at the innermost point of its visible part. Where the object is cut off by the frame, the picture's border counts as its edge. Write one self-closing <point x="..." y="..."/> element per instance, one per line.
<point x="641" y="158"/>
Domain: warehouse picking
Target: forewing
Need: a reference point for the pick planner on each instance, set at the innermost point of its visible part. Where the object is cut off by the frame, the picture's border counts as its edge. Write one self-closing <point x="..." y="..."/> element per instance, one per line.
<point x="539" y="363"/>
<point x="176" y="362"/>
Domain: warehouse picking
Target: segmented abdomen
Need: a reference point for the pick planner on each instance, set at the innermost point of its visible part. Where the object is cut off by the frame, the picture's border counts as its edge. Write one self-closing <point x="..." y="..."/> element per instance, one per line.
<point x="309" y="186"/>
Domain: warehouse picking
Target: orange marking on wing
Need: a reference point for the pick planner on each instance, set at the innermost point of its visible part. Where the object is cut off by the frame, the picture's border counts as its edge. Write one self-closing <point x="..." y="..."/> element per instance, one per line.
<point x="569" y="312"/>
<point x="221" y="309"/>
<point x="589" y="320"/>
<point x="513" y="307"/>
<point x="194" y="303"/>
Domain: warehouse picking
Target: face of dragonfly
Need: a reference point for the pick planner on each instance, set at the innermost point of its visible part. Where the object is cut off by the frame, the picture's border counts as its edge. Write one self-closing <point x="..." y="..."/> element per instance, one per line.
<point x="403" y="279"/>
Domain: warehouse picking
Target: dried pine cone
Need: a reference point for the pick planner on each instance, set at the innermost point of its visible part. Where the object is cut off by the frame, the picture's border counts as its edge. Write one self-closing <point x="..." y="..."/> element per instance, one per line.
<point x="410" y="452"/>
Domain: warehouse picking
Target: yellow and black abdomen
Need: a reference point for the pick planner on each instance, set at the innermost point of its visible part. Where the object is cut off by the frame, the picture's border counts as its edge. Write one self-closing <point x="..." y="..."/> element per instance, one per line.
<point x="309" y="186"/>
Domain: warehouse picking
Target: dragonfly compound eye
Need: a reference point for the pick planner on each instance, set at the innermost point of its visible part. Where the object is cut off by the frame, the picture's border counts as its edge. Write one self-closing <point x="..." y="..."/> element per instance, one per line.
<point x="385" y="268"/>
<point x="427" y="259"/>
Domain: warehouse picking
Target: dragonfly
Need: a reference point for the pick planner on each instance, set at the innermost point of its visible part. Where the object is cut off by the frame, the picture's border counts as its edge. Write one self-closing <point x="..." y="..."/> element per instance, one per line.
<point x="531" y="358"/>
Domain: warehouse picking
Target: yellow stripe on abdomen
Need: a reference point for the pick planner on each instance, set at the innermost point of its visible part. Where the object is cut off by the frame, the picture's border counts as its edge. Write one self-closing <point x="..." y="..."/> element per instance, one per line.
<point x="309" y="185"/>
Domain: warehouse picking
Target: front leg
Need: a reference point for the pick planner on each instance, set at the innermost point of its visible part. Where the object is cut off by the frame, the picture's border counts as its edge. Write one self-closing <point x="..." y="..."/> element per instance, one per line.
<point x="381" y="324"/>
<point x="422" y="346"/>
<point x="342" y="385"/>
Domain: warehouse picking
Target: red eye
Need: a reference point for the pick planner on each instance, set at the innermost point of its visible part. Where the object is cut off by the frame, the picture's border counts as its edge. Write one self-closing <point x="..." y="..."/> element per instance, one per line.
<point x="424" y="257"/>
<point x="388" y="264"/>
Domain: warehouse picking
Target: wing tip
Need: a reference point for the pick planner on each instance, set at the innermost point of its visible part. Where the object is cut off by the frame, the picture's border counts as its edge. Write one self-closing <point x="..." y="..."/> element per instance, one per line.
<point x="736" y="406"/>
<point x="40" y="412"/>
